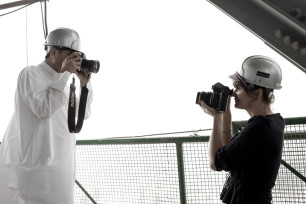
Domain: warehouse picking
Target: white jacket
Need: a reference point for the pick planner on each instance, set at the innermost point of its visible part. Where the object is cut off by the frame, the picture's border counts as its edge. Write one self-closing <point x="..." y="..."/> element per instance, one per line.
<point x="37" y="154"/>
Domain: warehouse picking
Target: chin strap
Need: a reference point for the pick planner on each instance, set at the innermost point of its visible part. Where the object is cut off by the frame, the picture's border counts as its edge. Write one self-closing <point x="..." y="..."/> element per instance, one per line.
<point x="72" y="108"/>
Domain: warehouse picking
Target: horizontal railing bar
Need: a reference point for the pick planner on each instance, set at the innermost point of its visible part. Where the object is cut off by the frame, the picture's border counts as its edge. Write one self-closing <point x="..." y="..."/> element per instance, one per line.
<point x="144" y="140"/>
<point x="295" y="136"/>
<point x="295" y="121"/>
<point x="288" y="121"/>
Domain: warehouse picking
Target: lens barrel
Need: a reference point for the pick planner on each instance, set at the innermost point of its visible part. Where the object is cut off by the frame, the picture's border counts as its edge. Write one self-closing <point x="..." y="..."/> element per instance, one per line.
<point x="90" y="65"/>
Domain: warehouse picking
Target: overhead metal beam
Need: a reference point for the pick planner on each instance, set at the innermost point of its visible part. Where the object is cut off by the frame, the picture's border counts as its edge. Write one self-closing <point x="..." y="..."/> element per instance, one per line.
<point x="281" y="24"/>
<point x="17" y="3"/>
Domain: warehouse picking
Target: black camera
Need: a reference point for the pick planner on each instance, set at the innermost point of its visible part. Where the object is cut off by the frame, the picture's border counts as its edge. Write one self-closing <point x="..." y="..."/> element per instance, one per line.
<point x="216" y="99"/>
<point x="89" y="65"/>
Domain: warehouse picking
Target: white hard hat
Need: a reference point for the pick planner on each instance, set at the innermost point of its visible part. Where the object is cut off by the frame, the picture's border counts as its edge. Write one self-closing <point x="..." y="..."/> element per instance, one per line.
<point x="65" y="38"/>
<point x="261" y="71"/>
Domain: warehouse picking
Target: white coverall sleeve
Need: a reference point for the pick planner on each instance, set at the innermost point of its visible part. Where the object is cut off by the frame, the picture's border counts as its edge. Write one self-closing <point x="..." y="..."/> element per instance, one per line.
<point x="42" y="100"/>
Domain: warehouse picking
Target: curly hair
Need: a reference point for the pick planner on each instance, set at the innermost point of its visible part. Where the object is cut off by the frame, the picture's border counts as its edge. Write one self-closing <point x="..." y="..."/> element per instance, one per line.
<point x="268" y="96"/>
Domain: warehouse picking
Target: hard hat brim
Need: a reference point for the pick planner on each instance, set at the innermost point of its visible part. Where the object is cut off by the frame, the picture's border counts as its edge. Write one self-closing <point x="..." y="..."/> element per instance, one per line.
<point x="234" y="77"/>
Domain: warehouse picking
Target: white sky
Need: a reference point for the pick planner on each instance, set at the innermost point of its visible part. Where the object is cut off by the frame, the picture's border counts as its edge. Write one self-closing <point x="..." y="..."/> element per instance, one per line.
<point x="155" y="56"/>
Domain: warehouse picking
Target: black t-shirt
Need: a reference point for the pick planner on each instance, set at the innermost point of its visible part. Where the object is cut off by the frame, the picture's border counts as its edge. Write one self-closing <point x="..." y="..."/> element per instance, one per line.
<point x="253" y="158"/>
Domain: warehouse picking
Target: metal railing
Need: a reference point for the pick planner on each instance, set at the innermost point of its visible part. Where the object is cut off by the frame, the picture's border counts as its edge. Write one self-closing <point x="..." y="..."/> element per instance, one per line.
<point x="175" y="169"/>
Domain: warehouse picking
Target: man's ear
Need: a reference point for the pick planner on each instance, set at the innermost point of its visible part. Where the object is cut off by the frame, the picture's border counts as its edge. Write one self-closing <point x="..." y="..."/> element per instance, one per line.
<point x="52" y="51"/>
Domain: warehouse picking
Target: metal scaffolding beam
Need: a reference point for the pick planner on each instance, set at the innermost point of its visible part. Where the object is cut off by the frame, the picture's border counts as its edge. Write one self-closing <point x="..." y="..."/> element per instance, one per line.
<point x="281" y="24"/>
<point x="17" y="3"/>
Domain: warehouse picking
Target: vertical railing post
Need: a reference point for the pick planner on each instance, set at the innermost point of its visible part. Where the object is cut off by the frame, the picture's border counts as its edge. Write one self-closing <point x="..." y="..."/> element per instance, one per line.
<point x="181" y="172"/>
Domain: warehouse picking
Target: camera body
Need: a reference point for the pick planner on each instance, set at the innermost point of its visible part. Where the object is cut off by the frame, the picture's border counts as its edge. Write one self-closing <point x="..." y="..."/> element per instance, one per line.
<point x="216" y="99"/>
<point x="89" y="65"/>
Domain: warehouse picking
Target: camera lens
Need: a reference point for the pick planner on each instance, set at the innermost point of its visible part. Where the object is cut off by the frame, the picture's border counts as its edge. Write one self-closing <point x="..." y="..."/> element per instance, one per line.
<point x="90" y="65"/>
<point x="205" y="96"/>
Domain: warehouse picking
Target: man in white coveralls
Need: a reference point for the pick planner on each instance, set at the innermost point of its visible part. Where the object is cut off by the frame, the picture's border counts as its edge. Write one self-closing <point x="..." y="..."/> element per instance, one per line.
<point x="37" y="154"/>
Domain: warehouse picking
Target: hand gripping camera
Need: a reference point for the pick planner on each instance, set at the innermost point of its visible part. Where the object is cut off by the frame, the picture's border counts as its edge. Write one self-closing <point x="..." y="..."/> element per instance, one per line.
<point x="216" y="99"/>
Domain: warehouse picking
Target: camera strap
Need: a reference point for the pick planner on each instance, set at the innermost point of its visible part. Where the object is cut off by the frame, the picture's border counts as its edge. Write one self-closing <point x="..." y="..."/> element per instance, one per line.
<point x="76" y="128"/>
